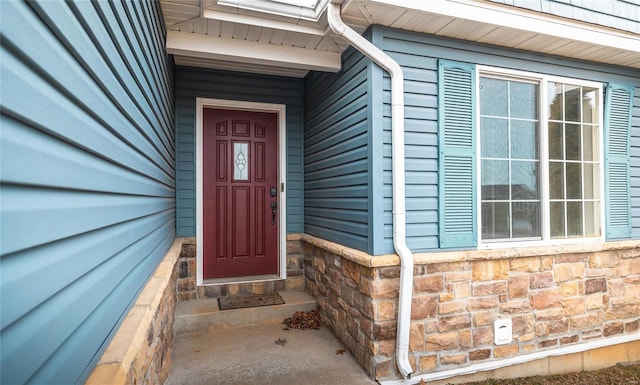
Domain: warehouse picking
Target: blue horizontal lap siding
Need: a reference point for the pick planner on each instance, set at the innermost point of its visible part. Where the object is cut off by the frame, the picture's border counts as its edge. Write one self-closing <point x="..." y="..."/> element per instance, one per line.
<point x="610" y="13"/>
<point x="87" y="178"/>
<point x="192" y="83"/>
<point x="418" y="54"/>
<point x="336" y="161"/>
<point x="421" y="149"/>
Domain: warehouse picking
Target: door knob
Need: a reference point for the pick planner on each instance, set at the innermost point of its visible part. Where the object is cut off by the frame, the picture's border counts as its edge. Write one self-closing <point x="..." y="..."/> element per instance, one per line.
<point x="274" y="206"/>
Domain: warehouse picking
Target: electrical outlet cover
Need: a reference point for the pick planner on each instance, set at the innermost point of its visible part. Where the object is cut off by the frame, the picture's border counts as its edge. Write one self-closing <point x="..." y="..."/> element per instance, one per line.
<point x="502" y="331"/>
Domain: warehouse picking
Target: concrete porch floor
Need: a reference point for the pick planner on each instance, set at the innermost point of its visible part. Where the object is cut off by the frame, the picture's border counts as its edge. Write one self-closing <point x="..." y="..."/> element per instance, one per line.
<point x="214" y="347"/>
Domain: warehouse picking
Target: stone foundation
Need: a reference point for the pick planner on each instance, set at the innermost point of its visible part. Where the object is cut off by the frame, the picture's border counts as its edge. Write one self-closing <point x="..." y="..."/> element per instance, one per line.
<point x="187" y="288"/>
<point x="140" y="352"/>
<point x="555" y="297"/>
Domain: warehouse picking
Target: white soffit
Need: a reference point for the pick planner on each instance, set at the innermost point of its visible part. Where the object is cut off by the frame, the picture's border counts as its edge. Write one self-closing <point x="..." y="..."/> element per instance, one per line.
<point x="262" y="22"/>
<point x="250" y="52"/>
<point x="502" y="25"/>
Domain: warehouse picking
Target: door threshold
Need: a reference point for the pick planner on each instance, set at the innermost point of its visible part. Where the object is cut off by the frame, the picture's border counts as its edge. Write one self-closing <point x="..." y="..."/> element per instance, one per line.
<point x="244" y="279"/>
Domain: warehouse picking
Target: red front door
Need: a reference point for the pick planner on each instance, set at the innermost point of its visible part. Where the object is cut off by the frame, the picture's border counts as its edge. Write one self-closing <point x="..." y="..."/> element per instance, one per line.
<point x="240" y="176"/>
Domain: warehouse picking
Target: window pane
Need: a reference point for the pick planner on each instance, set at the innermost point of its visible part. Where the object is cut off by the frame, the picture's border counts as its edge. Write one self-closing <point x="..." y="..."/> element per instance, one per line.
<point x="523" y="100"/>
<point x="495" y="179"/>
<point x="572" y="103"/>
<point x="495" y="220"/>
<point x="574" y="219"/>
<point x="577" y="144"/>
<point x="556" y="138"/>
<point x="241" y="161"/>
<point x="493" y="97"/>
<point x="556" y="110"/>
<point x="526" y="219"/>
<point x="524" y="139"/>
<point x="557" y="219"/>
<point x="589" y="140"/>
<point x="574" y="181"/>
<point x="556" y="180"/>
<point x="494" y="138"/>
<point x="572" y="141"/>
<point x="591" y="178"/>
<point x="592" y="219"/>
<point x="509" y="150"/>
<point x="524" y="180"/>
<point x="589" y="105"/>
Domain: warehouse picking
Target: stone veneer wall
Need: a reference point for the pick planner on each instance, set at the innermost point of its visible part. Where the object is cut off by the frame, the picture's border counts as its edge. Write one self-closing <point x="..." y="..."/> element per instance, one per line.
<point x="346" y="297"/>
<point x="188" y="290"/>
<point x="555" y="296"/>
<point x="140" y="352"/>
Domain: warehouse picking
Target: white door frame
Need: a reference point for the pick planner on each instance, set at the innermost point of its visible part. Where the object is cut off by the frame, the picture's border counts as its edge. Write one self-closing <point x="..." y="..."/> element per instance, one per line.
<point x="279" y="109"/>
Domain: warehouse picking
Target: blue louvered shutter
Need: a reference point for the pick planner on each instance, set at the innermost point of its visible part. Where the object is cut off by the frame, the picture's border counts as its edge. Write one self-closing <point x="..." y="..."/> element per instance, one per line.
<point x="617" y="123"/>
<point x="457" y="155"/>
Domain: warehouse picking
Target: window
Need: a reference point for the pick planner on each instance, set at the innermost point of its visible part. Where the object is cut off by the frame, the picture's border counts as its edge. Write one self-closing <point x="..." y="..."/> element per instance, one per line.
<point x="510" y="159"/>
<point x="574" y="160"/>
<point x="531" y="159"/>
<point x="539" y="165"/>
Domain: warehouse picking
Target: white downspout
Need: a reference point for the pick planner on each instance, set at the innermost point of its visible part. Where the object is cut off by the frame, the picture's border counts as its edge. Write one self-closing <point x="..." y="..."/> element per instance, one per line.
<point x="399" y="215"/>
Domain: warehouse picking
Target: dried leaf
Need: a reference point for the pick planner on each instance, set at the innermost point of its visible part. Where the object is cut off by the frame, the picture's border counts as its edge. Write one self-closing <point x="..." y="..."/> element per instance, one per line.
<point x="340" y="351"/>
<point x="304" y="320"/>
<point x="280" y="341"/>
<point x="422" y="382"/>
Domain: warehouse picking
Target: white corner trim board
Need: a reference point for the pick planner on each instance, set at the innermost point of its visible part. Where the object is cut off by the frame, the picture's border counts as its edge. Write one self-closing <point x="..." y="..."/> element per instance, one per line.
<point x="522" y="359"/>
<point x="397" y="154"/>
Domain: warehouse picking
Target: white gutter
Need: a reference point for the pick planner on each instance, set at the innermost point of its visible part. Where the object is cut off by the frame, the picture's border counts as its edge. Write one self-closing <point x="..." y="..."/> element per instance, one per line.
<point x="397" y="142"/>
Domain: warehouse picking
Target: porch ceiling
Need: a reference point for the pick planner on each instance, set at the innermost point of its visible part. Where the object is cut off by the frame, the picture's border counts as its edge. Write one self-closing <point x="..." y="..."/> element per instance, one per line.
<point x="287" y="38"/>
<point x="238" y="35"/>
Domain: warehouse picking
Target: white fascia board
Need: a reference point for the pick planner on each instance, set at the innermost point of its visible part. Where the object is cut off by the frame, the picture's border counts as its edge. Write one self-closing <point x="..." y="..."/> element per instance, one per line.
<point x="262" y="22"/>
<point x="216" y="48"/>
<point x="299" y="3"/>
<point x="286" y="8"/>
<point x="512" y="17"/>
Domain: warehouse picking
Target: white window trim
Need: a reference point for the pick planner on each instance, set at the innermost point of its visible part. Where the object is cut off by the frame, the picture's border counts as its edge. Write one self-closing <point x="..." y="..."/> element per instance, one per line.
<point x="542" y="80"/>
<point x="279" y="109"/>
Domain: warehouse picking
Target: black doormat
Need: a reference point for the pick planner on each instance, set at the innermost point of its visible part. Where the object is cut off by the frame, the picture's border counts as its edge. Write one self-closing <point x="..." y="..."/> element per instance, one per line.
<point x="251" y="300"/>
